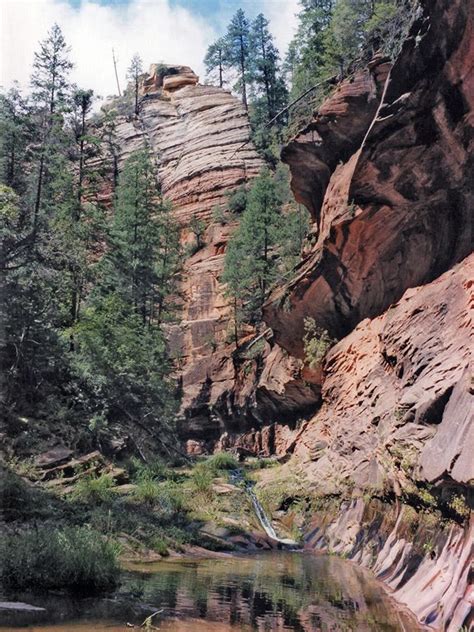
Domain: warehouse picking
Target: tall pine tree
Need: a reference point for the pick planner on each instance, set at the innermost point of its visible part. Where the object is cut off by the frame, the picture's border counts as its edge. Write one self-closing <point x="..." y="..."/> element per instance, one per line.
<point x="237" y="47"/>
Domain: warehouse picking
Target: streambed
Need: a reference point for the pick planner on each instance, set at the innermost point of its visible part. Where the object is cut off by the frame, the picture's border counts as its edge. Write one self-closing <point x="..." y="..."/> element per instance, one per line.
<point x="266" y="591"/>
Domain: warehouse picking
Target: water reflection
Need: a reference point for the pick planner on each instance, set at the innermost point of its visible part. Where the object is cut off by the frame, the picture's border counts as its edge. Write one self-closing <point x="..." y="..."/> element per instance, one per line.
<point x="272" y="591"/>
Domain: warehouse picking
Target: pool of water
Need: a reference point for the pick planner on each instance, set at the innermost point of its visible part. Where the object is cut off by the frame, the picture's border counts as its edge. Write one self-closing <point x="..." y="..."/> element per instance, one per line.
<point x="269" y="591"/>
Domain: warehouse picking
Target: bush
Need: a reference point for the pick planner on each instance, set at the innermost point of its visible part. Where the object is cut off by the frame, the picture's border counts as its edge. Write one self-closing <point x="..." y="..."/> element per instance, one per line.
<point x="220" y="216"/>
<point x="76" y="559"/>
<point x="160" y="546"/>
<point x="238" y="200"/>
<point x="221" y="461"/>
<point x="94" y="490"/>
<point x="317" y="343"/>
<point x="147" y="491"/>
<point x="202" y="477"/>
<point x="15" y="495"/>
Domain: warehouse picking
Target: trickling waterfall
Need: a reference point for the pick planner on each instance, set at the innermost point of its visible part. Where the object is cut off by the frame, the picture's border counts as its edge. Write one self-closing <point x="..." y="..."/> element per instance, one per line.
<point x="260" y="512"/>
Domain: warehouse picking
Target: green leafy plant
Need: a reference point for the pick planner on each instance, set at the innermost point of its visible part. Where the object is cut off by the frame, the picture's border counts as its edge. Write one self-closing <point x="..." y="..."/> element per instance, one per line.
<point x="94" y="489"/>
<point x="76" y="559"/>
<point x="317" y="343"/>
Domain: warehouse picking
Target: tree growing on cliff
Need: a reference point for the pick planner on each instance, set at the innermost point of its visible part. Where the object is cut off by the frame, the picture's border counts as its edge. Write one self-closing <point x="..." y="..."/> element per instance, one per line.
<point x="215" y="60"/>
<point x="133" y="74"/>
<point x="265" y="70"/>
<point x="251" y="264"/>
<point x="143" y="258"/>
<point x="237" y="51"/>
<point x="122" y="361"/>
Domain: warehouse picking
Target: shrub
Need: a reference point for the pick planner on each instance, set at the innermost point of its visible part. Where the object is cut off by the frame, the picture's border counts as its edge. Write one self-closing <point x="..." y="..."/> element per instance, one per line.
<point x="220" y="216"/>
<point x="238" y="200"/>
<point x="459" y="506"/>
<point x="156" y="470"/>
<point x="170" y="498"/>
<point x="76" y="559"/>
<point x="202" y="477"/>
<point x="317" y="343"/>
<point x="222" y="461"/>
<point x="94" y="490"/>
<point x="147" y="491"/>
<point x="15" y="495"/>
<point x="160" y="546"/>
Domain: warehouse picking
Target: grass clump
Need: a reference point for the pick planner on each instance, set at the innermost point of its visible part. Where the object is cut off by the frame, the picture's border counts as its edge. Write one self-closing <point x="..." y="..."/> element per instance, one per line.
<point x="94" y="490"/>
<point x="222" y="461"/>
<point x="76" y="559"/>
<point x="147" y="491"/>
<point x="159" y="546"/>
<point x="202" y="478"/>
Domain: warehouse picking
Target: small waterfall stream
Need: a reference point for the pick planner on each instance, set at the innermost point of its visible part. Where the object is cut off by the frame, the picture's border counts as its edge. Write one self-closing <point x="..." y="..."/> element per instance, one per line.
<point x="267" y="526"/>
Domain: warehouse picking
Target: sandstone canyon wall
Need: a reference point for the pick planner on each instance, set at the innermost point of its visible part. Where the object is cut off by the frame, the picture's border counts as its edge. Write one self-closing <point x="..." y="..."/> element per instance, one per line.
<point x="386" y="170"/>
<point x="391" y="276"/>
<point x="199" y="138"/>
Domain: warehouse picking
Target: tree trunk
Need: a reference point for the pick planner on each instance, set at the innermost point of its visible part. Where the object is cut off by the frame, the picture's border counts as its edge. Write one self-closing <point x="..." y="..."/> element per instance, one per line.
<point x="242" y="72"/>
<point x="221" y="83"/>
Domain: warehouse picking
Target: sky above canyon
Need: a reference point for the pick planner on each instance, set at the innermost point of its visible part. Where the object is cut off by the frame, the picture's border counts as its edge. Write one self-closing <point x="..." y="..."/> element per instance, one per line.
<point x="169" y="31"/>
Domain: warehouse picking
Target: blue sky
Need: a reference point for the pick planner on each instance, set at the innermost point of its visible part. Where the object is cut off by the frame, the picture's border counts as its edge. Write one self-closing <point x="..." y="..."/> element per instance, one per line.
<point x="168" y="31"/>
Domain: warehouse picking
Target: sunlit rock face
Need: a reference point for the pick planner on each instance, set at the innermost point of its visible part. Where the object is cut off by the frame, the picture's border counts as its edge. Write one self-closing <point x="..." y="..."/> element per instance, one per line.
<point x="397" y="399"/>
<point x="393" y="196"/>
<point x="199" y="137"/>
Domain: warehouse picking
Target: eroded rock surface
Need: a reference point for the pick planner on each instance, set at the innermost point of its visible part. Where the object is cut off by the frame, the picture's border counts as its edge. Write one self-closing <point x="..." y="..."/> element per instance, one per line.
<point x="199" y="139"/>
<point x="398" y="210"/>
<point x="397" y="397"/>
<point x="393" y="541"/>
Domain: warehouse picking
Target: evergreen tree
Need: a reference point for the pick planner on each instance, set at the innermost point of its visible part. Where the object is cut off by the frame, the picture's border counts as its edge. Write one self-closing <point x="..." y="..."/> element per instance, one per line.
<point x="215" y="60"/>
<point x="51" y="68"/>
<point x="305" y="58"/>
<point x="122" y="359"/>
<point x="133" y="74"/>
<point x="82" y="101"/>
<point x="144" y="249"/>
<point x="50" y="87"/>
<point x="265" y="71"/>
<point x="15" y="135"/>
<point x="251" y="264"/>
<point x="237" y="47"/>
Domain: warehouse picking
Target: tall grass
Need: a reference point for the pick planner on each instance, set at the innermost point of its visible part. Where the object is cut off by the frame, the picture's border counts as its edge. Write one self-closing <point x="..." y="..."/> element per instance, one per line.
<point x="221" y="461"/>
<point x="94" y="490"/>
<point x="77" y="559"/>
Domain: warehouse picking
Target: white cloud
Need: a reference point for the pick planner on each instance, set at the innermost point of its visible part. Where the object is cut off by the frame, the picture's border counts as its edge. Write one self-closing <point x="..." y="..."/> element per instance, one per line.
<point x="154" y="29"/>
<point x="283" y="20"/>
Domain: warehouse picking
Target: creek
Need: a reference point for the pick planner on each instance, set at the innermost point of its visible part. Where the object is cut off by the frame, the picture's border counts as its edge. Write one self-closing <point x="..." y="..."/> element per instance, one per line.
<point x="282" y="590"/>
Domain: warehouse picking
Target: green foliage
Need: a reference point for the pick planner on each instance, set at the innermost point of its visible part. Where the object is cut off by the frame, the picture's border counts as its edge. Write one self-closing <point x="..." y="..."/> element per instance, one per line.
<point x="198" y="227"/>
<point x="250" y="267"/>
<point x="264" y="248"/>
<point x="237" y="51"/>
<point x="94" y="490"/>
<point x="133" y="74"/>
<point x="215" y="60"/>
<point x="317" y="343"/>
<point x="202" y="478"/>
<point x="147" y="491"/>
<point x="238" y="200"/>
<point x="220" y="215"/>
<point x="159" y="545"/>
<point x="74" y="559"/>
<point x="221" y="461"/>
<point x="459" y="505"/>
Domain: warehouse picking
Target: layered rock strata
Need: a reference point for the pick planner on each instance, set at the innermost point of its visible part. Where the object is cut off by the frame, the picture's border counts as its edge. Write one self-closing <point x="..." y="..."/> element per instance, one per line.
<point x="397" y="210"/>
<point x="427" y="571"/>
<point x="198" y="136"/>
<point x="397" y="396"/>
